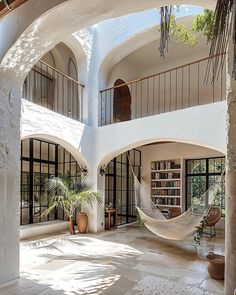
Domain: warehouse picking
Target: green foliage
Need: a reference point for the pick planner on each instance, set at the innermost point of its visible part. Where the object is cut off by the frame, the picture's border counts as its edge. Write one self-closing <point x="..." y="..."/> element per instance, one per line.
<point x="199" y="231"/>
<point x="141" y="223"/>
<point x="202" y="24"/>
<point x="67" y="194"/>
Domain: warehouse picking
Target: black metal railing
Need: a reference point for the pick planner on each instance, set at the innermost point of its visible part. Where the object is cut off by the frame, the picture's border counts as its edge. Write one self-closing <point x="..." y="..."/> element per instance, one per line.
<point x="171" y="90"/>
<point x="54" y="90"/>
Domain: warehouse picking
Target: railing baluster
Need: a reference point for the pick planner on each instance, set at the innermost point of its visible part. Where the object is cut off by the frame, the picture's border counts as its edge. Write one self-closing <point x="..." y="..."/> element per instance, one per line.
<point x="164" y="92"/>
<point x="170" y="93"/>
<point x="176" y="89"/>
<point x="198" y="84"/>
<point x="182" y="88"/>
<point x="101" y="110"/>
<point x="105" y="109"/>
<point x="141" y="94"/>
<point x="159" y="93"/>
<point x="153" y="95"/>
<point x="111" y="106"/>
<point x="54" y="90"/>
<point x="147" y="98"/>
<point x="189" y="82"/>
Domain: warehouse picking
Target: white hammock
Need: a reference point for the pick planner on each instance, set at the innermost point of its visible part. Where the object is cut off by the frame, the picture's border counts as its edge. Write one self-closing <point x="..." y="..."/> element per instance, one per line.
<point x="178" y="228"/>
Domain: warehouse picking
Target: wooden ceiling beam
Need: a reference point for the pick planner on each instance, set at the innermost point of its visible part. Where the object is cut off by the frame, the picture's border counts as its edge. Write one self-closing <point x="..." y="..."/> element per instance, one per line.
<point x="4" y="10"/>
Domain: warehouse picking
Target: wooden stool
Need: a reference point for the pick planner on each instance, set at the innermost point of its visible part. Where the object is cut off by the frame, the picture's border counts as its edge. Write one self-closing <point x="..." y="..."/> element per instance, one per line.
<point x="109" y="212"/>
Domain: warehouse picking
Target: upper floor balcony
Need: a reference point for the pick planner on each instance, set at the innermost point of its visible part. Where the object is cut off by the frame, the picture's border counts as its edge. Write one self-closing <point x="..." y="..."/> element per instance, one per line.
<point x="177" y="88"/>
<point x="54" y="90"/>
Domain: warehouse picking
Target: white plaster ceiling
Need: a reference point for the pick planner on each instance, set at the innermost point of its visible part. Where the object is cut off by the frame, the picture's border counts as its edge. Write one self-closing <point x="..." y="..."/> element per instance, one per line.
<point x="148" y="56"/>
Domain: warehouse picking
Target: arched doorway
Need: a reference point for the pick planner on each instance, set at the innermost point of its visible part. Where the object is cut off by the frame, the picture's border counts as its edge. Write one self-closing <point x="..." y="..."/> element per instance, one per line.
<point x="121" y="102"/>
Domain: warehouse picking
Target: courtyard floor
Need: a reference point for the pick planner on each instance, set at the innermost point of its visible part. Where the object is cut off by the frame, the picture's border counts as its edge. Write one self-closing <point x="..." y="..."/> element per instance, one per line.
<point x="121" y="262"/>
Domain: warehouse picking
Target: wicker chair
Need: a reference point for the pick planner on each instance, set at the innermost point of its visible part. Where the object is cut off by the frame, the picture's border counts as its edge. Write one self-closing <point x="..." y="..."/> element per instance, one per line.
<point x="174" y="212"/>
<point x="213" y="217"/>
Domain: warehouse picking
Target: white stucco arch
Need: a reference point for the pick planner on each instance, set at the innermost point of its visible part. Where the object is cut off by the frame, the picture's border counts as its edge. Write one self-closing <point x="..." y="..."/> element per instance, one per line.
<point x="128" y="45"/>
<point x="65" y="144"/>
<point x="45" y="29"/>
<point x="124" y="149"/>
<point x="42" y="123"/>
<point x="203" y="126"/>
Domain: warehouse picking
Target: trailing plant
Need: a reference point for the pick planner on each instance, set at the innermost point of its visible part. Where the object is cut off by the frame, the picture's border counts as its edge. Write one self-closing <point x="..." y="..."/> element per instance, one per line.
<point x="199" y="231"/>
<point x="140" y="223"/>
<point x="218" y="27"/>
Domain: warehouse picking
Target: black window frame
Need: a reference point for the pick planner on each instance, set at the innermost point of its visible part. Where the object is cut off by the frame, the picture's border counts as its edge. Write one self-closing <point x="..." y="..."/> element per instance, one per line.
<point x="125" y="175"/>
<point x="207" y="176"/>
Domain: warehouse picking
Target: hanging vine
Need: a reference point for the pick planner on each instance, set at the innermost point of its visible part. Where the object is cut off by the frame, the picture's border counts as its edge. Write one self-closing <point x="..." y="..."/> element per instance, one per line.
<point x="223" y="29"/>
<point x="167" y="15"/>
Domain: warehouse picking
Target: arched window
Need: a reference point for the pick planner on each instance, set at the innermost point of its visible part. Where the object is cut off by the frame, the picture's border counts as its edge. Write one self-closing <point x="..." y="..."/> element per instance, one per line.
<point x="121" y="102"/>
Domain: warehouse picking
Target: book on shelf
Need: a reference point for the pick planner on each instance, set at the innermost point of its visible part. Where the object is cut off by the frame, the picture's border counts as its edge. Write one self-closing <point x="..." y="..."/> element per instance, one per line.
<point x="164" y="165"/>
<point x="174" y="183"/>
<point x="168" y="202"/>
<point x="166" y="192"/>
<point x="164" y="175"/>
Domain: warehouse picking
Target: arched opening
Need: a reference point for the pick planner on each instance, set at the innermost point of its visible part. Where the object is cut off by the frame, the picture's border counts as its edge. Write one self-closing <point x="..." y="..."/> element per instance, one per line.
<point x="175" y="175"/>
<point x="52" y="83"/>
<point x="121" y="102"/>
<point x="41" y="159"/>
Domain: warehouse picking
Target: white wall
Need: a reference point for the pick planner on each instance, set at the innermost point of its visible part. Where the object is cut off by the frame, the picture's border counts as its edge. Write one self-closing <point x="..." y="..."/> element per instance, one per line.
<point x="203" y="125"/>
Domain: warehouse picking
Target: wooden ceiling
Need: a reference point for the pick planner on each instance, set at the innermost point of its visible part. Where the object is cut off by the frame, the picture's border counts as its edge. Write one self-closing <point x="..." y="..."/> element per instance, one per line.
<point x="4" y="10"/>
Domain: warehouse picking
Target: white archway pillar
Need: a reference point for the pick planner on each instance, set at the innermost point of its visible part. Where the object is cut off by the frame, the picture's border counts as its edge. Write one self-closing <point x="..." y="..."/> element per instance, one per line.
<point x="230" y="226"/>
<point x="10" y="110"/>
<point x="96" y="212"/>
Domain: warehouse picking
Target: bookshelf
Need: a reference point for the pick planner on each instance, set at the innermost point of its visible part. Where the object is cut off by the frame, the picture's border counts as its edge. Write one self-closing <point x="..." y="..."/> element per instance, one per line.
<point x="166" y="184"/>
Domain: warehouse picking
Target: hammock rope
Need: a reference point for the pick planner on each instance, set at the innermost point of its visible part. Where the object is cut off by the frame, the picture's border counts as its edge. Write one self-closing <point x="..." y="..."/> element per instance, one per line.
<point x="180" y="227"/>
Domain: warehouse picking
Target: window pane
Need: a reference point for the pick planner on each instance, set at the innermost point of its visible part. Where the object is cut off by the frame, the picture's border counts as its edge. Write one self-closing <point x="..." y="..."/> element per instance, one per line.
<point x="44" y="151"/>
<point x="216" y="165"/>
<point x="36" y="144"/>
<point x="25" y="148"/>
<point x="52" y="152"/>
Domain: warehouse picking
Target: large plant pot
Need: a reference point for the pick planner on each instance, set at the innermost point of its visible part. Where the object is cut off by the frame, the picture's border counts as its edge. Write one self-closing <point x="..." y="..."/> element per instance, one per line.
<point x="72" y="226"/>
<point x="216" y="266"/>
<point x="82" y="222"/>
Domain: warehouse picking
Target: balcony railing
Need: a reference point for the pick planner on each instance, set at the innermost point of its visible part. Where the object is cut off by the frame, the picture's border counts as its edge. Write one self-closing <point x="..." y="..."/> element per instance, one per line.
<point x="54" y="90"/>
<point x="177" y="88"/>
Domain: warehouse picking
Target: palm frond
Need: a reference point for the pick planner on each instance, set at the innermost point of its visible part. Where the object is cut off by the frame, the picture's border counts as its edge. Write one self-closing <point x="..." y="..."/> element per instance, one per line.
<point x="58" y="184"/>
<point x="67" y="194"/>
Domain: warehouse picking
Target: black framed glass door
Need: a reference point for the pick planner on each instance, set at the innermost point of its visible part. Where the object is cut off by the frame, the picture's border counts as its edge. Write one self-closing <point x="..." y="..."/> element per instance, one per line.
<point x="39" y="161"/>
<point x="119" y="185"/>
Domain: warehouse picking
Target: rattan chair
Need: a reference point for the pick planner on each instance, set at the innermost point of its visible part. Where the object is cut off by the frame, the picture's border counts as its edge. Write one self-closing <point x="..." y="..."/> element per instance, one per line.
<point x="212" y="218"/>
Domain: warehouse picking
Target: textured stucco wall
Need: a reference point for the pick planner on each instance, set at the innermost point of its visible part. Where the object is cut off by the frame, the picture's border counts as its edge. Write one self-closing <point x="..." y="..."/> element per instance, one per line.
<point x="37" y="121"/>
<point x="9" y="180"/>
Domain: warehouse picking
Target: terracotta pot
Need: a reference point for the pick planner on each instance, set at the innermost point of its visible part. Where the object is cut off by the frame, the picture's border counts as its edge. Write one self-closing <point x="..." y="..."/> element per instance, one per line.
<point x="82" y="222"/>
<point x="71" y="226"/>
<point x="216" y="266"/>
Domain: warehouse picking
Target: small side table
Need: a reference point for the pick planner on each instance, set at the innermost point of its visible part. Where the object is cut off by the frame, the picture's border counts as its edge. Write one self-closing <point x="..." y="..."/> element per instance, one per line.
<point x="111" y="212"/>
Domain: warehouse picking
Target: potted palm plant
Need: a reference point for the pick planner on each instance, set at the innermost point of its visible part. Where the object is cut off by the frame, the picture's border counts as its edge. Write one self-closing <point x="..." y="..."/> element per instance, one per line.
<point x="68" y="194"/>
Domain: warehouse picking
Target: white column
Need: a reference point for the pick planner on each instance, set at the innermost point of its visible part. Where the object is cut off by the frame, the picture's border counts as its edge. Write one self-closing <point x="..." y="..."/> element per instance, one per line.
<point x="230" y="234"/>
<point x="96" y="212"/>
<point x="10" y="105"/>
